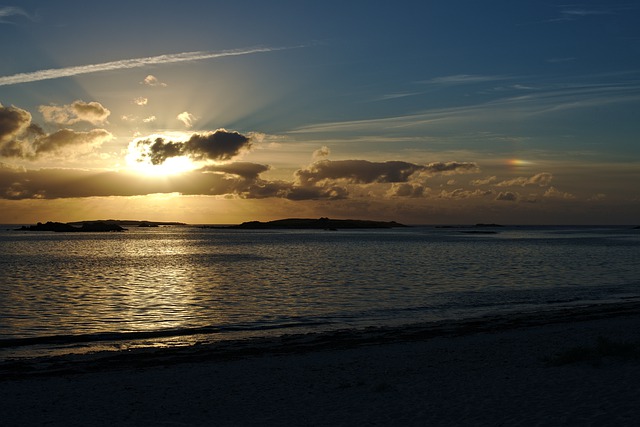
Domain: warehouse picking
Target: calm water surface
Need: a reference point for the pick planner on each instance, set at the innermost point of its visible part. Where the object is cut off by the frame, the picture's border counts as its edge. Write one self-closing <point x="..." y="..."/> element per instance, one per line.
<point x="181" y="281"/>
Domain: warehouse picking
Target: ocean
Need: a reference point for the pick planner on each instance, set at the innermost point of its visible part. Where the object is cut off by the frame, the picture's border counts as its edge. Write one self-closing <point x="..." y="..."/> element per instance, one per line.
<point x="179" y="286"/>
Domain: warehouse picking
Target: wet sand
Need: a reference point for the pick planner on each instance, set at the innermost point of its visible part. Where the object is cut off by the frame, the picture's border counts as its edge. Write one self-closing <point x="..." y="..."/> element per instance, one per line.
<point x="497" y="370"/>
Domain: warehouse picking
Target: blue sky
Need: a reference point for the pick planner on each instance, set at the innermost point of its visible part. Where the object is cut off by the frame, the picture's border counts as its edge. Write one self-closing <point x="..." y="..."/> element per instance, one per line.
<point x="222" y="112"/>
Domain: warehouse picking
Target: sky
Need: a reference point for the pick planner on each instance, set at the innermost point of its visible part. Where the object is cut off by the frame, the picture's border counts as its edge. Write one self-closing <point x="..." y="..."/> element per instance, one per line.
<point x="211" y="112"/>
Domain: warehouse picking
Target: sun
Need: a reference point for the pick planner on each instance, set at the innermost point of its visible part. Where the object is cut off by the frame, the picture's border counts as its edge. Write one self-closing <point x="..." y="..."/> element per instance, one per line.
<point x="139" y="161"/>
<point x="172" y="166"/>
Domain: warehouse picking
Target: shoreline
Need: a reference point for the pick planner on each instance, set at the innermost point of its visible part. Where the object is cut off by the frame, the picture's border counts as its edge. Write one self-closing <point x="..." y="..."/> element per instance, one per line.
<point x="292" y="343"/>
<point x="487" y="372"/>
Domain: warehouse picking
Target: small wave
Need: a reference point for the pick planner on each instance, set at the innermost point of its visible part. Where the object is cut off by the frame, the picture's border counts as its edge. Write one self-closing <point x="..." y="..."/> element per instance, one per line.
<point x="141" y="335"/>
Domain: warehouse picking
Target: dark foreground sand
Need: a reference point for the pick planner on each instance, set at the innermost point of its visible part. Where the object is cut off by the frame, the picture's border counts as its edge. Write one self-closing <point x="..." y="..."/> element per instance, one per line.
<point x="492" y="372"/>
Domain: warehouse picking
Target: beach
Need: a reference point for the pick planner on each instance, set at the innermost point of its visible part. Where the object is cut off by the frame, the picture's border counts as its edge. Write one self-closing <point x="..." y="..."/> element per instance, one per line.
<point x="518" y="369"/>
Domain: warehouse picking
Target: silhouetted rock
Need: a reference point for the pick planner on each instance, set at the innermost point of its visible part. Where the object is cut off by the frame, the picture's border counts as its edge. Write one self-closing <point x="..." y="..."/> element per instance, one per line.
<point x="87" y="227"/>
<point x="147" y="224"/>
<point x="321" y="223"/>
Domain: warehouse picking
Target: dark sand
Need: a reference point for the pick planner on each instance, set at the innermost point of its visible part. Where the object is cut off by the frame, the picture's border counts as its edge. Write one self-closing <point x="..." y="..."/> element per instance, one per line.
<point x="491" y="371"/>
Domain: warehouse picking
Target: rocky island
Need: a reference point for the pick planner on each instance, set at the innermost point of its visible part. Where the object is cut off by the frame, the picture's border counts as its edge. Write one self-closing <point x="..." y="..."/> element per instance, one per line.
<point x="87" y="227"/>
<point x="320" y="223"/>
<point x="95" y="225"/>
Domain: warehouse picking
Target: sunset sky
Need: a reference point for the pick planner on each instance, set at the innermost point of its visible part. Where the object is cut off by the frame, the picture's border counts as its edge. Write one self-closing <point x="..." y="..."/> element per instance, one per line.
<point x="518" y="112"/>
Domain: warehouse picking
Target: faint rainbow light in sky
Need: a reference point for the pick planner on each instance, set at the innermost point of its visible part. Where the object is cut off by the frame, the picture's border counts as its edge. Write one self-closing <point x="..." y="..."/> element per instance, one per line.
<point x="518" y="162"/>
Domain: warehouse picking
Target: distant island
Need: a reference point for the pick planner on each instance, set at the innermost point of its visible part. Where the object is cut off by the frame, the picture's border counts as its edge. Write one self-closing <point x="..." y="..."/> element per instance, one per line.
<point x="61" y="227"/>
<point x="110" y="225"/>
<point x="320" y="223"/>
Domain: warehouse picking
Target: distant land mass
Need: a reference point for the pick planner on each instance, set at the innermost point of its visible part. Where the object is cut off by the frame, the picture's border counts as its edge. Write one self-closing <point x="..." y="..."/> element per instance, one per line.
<point x="131" y="222"/>
<point x="109" y="225"/>
<point x="320" y="223"/>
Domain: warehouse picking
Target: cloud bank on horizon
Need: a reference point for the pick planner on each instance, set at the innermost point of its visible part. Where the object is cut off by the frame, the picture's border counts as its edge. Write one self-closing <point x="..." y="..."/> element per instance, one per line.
<point x="218" y="171"/>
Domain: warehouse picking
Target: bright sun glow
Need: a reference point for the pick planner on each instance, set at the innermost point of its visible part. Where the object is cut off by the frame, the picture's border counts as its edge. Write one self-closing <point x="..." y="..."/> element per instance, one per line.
<point x="138" y="160"/>
<point x="172" y="166"/>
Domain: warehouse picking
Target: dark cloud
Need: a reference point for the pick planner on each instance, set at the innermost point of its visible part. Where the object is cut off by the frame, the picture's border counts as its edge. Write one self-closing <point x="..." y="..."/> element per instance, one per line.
<point x="323" y="180"/>
<point x="159" y="150"/>
<point x="72" y="183"/>
<point x="57" y="141"/>
<point x="22" y="139"/>
<point x="451" y="167"/>
<point x="13" y="122"/>
<point x="235" y="179"/>
<point x="245" y="170"/>
<point x="219" y="145"/>
<point x="507" y="196"/>
<point x="356" y="171"/>
<point x="366" y="172"/>
<point x="262" y="189"/>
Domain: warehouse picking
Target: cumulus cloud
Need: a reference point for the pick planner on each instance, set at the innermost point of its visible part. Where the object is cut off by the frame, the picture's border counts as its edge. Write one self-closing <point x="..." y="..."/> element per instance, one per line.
<point x="406" y="190"/>
<point x="553" y="193"/>
<point x="541" y="179"/>
<point x="22" y="139"/>
<point x="220" y="145"/>
<point x="149" y="119"/>
<point x="78" y="111"/>
<point x="357" y="171"/>
<point x="461" y="193"/>
<point x="261" y="189"/>
<point x="366" y="172"/>
<point x="56" y="142"/>
<point x="13" y="122"/>
<point x="321" y="152"/>
<point x="151" y="80"/>
<point x="484" y="181"/>
<point x="187" y="118"/>
<point x="141" y="101"/>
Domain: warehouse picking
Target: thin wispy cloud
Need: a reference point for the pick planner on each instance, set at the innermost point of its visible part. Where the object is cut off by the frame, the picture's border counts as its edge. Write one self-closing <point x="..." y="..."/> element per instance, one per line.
<point x="8" y="11"/>
<point x="459" y="79"/>
<point x="56" y="73"/>
<point x="575" y="12"/>
<point x="549" y="99"/>
<point x="396" y="95"/>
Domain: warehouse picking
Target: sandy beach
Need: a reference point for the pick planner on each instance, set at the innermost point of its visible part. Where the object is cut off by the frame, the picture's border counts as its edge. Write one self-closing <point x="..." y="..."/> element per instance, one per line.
<point x="500" y="370"/>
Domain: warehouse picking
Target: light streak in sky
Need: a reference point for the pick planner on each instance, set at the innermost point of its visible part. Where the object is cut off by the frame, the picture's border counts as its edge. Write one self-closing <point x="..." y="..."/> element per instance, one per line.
<point x="56" y="73"/>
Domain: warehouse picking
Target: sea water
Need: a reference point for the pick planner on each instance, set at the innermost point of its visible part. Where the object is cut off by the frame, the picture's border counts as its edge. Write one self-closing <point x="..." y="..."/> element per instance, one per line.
<point x="66" y="292"/>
